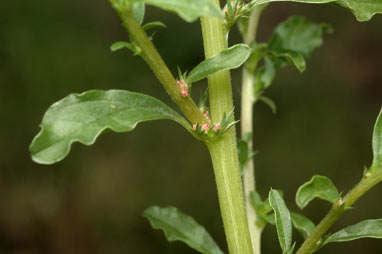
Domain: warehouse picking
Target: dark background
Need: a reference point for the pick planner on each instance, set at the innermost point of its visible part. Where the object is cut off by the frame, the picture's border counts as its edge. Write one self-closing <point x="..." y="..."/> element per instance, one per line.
<point x="92" y="201"/>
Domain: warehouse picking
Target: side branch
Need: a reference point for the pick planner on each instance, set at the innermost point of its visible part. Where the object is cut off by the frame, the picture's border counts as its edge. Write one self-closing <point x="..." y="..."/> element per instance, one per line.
<point x="368" y="182"/>
<point x="151" y="56"/>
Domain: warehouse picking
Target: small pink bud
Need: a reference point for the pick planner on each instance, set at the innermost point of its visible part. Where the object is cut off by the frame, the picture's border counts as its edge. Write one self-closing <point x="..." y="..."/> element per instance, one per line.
<point x="184" y="91"/>
<point x="194" y="127"/>
<point x="180" y="83"/>
<point x="205" y="127"/>
<point x="216" y="127"/>
<point x="206" y="114"/>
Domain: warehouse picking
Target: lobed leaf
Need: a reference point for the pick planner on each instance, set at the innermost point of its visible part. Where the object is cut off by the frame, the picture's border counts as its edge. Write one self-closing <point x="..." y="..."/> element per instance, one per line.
<point x="282" y="219"/>
<point x="302" y="224"/>
<point x="178" y="226"/>
<point x="83" y="117"/>
<point x="288" y="57"/>
<point x="377" y="143"/>
<point x="363" y="10"/>
<point x="363" y="229"/>
<point x="230" y="58"/>
<point x="294" y="39"/>
<point x="189" y="10"/>
<point x="318" y="187"/>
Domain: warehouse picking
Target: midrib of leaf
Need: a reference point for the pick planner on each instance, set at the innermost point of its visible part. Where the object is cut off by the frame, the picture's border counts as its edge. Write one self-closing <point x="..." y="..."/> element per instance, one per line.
<point x="282" y="231"/>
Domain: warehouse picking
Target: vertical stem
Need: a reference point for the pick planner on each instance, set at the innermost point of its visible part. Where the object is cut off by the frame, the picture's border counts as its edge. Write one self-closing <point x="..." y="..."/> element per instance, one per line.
<point x="249" y="183"/>
<point x="224" y="151"/>
<point x="247" y="127"/>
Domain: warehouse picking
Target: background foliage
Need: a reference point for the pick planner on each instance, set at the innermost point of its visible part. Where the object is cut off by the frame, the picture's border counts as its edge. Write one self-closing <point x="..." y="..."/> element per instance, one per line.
<point x="92" y="201"/>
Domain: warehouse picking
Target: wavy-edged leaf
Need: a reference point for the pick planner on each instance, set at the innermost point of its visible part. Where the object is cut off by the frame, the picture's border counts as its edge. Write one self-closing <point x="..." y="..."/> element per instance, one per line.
<point x="363" y="10"/>
<point x="294" y="39"/>
<point x="83" y="117"/>
<point x="283" y="57"/>
<point x="298" y="34"/>
<point x="178" y="226"/>
<point x="318" y="187"/>
<point x="230" y="58"/>
<point x="363" y="229"/>
<point x="377" y="143"/>
<point x="282" y="219"/>
<point x="302" y="224"/>
<point x="189" y="10"/>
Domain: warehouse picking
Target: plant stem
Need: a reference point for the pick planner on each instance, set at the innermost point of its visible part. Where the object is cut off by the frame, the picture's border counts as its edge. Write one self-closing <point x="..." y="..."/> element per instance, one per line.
<point x="369" y="181"/>
<point x="224" y="151"/>
<point x="247" y="102"/>
<point x="151" y="56"/>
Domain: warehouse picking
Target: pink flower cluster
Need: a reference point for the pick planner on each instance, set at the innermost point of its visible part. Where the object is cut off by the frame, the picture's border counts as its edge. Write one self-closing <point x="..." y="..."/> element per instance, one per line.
<point x="183" y="87"/>
<point x="206" y="127"/>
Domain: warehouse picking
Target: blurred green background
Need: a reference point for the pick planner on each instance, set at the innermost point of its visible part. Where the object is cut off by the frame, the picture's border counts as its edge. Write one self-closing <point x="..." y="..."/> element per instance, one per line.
<point x="92" y="201"/>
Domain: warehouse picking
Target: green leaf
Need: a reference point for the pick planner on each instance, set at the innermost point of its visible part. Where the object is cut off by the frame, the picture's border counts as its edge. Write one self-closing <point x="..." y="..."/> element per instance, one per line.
<point x="363" y="229"/>
<point x="284" y="57"/>
<point x="153" y="24"/>
<point x="363" y="10"/>
<point x="122" y="44"/>
<point x="298" y="34"/>
<point x="83" y="117"/>
<point x="121" y="5"/>
<point x="302" y="224"/>
<point x="318" y="187"/>
<point x="377" y="143"/>
<point x="230" y="58"/>
<point x="242" y="147"/>
<point x="295" y="39"/>
<point x="178" y="226"/>
<point x="283" y="220"/>
<point x="269" y="102"/>
<point x="139" y="11"/>
<point x="189" y="10"/>
<point x="264" y="76"/>
<point x="262" y="208"/>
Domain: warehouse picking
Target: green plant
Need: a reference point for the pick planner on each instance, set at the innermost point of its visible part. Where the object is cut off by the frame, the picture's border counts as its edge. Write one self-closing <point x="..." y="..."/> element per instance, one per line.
<point x="83" y="117"/>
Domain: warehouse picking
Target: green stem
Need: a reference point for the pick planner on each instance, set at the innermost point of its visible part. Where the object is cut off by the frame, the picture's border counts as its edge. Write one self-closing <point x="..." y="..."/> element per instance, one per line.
<point x="151" y="56"/>
<point x="369" y="181"/>
<point x="224" y="151"/>
<point x="247" y="102"/>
